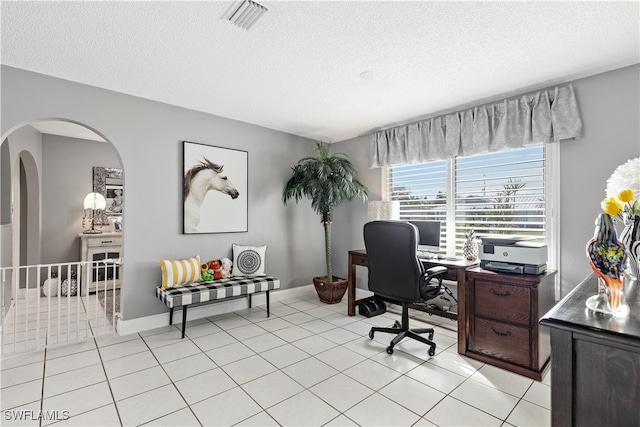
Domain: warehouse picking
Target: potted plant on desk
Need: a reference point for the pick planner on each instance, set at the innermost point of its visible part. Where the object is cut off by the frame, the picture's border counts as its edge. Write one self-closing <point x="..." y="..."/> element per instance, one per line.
<point x="325" y="180"/>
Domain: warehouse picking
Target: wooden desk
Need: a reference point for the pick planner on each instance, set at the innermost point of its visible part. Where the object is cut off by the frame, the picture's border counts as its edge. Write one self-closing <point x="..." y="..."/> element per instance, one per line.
<point x="595" y="361"/>
<point x="456" y="272"/>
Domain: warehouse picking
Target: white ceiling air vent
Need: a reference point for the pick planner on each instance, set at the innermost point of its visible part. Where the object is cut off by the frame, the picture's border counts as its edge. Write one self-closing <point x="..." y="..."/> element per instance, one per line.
<point x="246" y="14"/>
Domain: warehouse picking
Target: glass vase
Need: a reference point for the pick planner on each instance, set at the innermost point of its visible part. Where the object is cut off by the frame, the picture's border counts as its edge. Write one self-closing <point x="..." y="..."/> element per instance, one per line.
<point x="630" y="238"/>
<point x="600" y="301"/>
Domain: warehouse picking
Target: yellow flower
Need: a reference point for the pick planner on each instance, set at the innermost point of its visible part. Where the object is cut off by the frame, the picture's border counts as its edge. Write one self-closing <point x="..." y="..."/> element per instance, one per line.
<point x="611" y="206"/>
<point x="625" y="195"/>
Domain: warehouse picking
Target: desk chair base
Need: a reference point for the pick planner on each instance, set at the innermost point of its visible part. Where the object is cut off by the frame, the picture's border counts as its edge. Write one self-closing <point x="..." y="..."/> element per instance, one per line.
<point x="403" y="331"/>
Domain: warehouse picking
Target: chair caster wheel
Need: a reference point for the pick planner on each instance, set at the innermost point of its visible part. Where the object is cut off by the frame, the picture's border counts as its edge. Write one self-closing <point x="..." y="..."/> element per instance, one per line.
<point x="390" y="349"/>
<point x="430" y="336"/>
<point x="432" y="351"/>
<point x="371" y="334"/>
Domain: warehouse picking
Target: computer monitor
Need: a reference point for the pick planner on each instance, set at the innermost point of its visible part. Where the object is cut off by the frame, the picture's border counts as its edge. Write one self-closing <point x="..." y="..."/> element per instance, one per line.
<point x="429" y="232"/>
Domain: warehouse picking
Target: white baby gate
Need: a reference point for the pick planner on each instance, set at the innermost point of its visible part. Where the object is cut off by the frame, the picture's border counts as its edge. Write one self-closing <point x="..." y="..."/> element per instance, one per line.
<point x="40" y="310"/>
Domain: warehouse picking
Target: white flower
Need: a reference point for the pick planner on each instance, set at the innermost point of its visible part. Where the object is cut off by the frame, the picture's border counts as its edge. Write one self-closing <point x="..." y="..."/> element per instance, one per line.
<point x="626" y="176"/>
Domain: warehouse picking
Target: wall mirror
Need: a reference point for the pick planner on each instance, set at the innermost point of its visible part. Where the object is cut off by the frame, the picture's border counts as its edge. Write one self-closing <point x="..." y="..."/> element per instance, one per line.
<point x="109" y="183"/>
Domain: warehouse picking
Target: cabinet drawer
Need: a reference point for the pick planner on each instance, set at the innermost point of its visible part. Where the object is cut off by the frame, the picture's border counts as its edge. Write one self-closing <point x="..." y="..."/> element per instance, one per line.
<point x="503" y="302"/>
<point x="106" y="241"/>
<point x="502" y="341"/>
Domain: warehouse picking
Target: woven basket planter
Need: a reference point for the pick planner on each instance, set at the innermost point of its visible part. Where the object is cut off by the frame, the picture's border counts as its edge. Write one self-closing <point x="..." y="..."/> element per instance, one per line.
<point x="330" y="292"/>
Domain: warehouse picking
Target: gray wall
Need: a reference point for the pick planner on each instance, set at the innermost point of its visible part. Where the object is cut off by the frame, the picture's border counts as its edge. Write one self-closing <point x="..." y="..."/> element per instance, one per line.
<point x="147" y="136"/>
<point x="67" y="177"/>
<point x="609" y="105"/>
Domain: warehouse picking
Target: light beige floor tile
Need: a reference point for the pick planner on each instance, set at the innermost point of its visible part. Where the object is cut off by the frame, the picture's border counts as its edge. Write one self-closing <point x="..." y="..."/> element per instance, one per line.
<point x="363" y="372"/>
<point x="506" y="381"/>
<point x="528" y="414"/>
<point x="68" y="381"/>
<point x="230" y="353"/>
<point x="126" y="365"/>
<point x="264" y="342"/>
<point x="151" y="405"/>
<point x="340" y="358"/>
<point x="303" y="409"/>
<point x="111" y="339"/>
<point x="341" y="421"/>
<point x="244" y="332"/>
<point x="231" y="322"/>
<point x="169" y="353"/>
<point x="204" y="385"/>
<point x="171" y="336"/>
<point x="341" y="392"/>
<point x="248" y="369"/>
<point x="381" y="411"/>
<point x="284" y="355"/>
<point x="454" y="362"/>
<point x="21" y="394"/>
<point x="272" y="389"/>
<point x="398" y="361"/>
<point x="412" y="394"/>
<point x="188" y="366"/>
<point x="182" y="418"/>
<point x="340" y="335"/>
<point x="292" y="333"/>
<point x="226" y="409"/>
<point x="104" y="416"/>
<point x="211" y="341"/>
<point x="263" y="419"/>
<point x="314" y="344"/>
<point x="436" y="377"/>
<point x="72" y="362"/>
<point x="123" y="349"/>
<point x="452" y="412"/>
<point x="275" y="323"/>
<point x="71" y="348"/>
<point x="540" y="394"/>
<point x="201" y="329"/>
<point x="22" y="374"/>
<point x="81" y="400"/>
<point x="487" y="399"/>
<point x="309" y="372"/>
<point x="22" y="416"/>
<point x="138" y="382"/>
<point x="17" y="360"/>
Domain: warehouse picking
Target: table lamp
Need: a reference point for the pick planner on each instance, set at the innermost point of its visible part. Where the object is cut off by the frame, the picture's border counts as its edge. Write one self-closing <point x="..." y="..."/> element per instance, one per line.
<point x="94" y="202"/>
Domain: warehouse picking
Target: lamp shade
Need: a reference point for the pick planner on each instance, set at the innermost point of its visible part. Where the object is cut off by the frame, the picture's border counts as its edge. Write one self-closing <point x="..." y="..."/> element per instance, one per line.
<point x="95" y="201"/>
<point x="383" y="210"/>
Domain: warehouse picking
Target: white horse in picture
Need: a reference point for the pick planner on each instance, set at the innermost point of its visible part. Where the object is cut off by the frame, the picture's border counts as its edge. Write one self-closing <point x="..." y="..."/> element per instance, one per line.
<point x="198" y="181"/>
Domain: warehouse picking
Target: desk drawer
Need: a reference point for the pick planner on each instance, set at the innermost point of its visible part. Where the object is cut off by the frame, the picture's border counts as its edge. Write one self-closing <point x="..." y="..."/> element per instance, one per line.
<point x="105" y="241"/>
<point x="503" y="302"/>
<point x="502" y="341"/>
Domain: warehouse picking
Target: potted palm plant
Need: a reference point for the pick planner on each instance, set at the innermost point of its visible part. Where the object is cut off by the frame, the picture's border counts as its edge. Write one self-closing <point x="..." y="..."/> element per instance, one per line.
<point x="325" y="180"/>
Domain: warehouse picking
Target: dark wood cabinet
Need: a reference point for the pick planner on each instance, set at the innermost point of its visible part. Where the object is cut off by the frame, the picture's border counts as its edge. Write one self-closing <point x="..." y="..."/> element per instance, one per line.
<point x="595" y="361"/>
<point x="504" y="310"/>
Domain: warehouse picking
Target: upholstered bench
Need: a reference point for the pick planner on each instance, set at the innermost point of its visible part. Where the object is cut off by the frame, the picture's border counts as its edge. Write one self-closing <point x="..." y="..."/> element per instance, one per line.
<point x="214" y="291"/>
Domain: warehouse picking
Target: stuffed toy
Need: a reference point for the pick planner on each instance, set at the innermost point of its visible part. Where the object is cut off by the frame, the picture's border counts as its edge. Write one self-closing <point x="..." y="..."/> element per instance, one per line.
<point x="226" y="267"/>
<point x="217" y="268"/>
<point x="206" y="273"/>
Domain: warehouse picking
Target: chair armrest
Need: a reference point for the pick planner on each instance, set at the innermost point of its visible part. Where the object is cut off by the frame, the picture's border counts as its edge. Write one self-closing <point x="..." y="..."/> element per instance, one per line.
<point x="427" y="290"/>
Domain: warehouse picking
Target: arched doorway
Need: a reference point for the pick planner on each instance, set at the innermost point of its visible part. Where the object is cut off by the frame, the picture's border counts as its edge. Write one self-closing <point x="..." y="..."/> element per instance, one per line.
<point x="41" y="216"/>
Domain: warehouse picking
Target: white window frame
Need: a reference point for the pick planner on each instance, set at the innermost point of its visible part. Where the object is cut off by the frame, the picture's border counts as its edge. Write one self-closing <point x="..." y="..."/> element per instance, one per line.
<point x="552" y="207"/>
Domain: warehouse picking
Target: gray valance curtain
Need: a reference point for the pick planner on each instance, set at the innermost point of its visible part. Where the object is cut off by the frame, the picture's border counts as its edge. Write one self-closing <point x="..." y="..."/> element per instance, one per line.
<point x="544" y="116"/>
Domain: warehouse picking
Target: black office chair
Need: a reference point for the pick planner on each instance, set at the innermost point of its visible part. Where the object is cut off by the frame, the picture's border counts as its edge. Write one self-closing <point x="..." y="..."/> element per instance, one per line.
<point x="396" y="274"/>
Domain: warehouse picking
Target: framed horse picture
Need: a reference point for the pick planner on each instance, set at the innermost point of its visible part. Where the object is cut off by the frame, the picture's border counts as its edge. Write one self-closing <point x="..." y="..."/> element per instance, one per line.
<point x="215" y="189"/>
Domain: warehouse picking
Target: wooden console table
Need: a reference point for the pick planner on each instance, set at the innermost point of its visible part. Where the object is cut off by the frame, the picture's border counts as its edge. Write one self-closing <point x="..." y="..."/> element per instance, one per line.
<point x="456" y="272"/>
<point x="595" y="361"/>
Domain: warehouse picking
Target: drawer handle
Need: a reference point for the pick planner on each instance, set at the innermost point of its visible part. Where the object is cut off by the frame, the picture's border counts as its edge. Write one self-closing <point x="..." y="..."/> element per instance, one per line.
<point x="502" y="334"/>
<point x="107" y="241"/>
<point x="493" y="291"/>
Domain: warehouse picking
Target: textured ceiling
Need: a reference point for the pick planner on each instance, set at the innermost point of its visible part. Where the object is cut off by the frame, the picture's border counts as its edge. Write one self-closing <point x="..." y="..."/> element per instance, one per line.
<point x="298" y="69"/>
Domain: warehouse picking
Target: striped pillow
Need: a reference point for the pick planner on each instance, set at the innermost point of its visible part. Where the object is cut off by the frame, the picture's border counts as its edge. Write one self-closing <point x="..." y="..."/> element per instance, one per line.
<point x="179" y="272"/>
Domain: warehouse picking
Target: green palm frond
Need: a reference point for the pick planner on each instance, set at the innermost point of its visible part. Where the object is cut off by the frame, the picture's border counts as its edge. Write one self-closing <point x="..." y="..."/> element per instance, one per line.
<point x="326" y="180"/>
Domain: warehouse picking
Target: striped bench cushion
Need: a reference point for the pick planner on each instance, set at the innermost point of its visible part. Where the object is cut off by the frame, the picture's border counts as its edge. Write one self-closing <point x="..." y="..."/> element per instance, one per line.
<point x="215" y="290"/>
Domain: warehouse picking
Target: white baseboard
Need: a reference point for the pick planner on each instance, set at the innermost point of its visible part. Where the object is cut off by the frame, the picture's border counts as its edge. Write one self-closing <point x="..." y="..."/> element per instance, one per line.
<point x="126" y="327"/>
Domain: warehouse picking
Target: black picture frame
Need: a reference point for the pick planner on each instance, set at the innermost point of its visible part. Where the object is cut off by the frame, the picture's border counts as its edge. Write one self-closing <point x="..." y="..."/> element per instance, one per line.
<point x="223" y="209"/>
